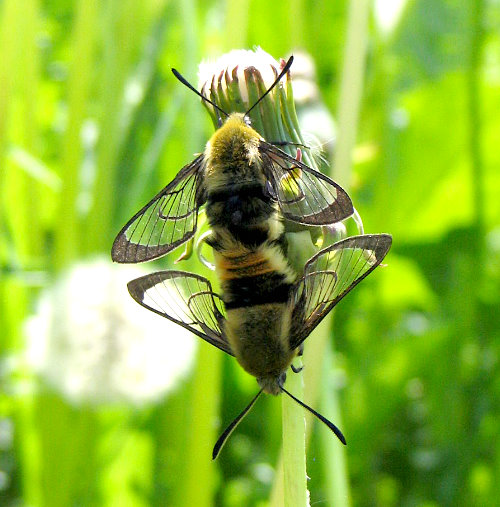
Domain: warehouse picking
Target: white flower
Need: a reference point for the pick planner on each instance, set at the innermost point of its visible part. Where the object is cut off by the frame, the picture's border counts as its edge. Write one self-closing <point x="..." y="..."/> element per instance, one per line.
<point x="90" y="341"/>
<point x="239" y="59"/>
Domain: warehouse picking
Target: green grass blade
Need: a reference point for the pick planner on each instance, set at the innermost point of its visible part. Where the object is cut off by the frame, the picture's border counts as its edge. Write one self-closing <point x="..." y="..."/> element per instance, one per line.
<point x="295" y="492"/>
<point x="81" y="79"/>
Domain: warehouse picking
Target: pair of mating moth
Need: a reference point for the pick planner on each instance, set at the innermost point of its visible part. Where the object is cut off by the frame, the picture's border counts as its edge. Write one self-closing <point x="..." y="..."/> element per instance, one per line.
<point x="252" y="193"/>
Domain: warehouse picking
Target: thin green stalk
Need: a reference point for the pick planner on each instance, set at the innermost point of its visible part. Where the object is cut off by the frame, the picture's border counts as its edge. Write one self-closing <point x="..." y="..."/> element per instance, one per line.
<point x="335" y="460"/>
<point x="476" y="267"/>
<point x="18" y="127"/>
<point x="25" y="129"/>
<point x="295" y="492"/>
<point x="19" y="207"/>
<point x="349" y="101"/>
<point x="351" y="87"/>
<point x="7" y="54"/>
<point x="475" y="124"/>
<point x="119" y="44"/>
<point x="80" y="81"/>
<point x="197" y="484"/>
<point x="318" y="361"/>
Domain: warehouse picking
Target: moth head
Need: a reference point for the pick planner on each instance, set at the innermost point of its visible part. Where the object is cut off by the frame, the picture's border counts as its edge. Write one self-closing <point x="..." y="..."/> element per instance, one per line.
<point x="271" y="384"/>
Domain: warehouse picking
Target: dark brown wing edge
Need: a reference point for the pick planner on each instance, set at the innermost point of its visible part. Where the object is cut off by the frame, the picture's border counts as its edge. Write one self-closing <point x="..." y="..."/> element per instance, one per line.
<point x="302" y="324"/>
<point x="340" y="209"/>
<point x="177" y="300"/>
<point x="124" y="251"/>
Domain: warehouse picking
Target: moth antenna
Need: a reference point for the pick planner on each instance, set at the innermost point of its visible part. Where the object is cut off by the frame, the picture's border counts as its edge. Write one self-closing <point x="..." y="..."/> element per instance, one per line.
<point x="278" y="79"/>
<point x="227" y="432"/>
<point x="185" y="82"/>
<point x="323" y="419"/>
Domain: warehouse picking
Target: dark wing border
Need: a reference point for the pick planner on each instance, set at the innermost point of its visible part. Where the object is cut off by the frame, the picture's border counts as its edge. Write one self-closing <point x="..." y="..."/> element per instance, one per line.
<point x="148" y="221"/>
<point x="327" y="202"/>
<point x="186" y="299"/>
<point x="312" y="297"/>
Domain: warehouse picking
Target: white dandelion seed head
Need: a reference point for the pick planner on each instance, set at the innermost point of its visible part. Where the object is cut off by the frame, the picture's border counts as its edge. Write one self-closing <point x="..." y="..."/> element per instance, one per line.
<point x="239" y="59"/>
<point x="242" y="59"/>
<point x="89" y="340"/>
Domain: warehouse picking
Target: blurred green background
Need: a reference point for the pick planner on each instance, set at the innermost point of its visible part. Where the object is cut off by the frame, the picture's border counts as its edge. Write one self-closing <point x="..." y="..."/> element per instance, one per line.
<point x="95" y="407"/>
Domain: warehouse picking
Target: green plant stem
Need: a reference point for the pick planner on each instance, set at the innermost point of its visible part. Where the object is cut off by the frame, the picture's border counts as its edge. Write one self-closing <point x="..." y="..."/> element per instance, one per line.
<point x="474" y="105"/>
<point x="337" y="483"/>
<point x="120" y="17"/>
<point x="18" y="105"/>
<point x="67" y="238"/>
<point x="20" y="209"/>
<point x="349" y="101"/>
<point x="316" y="364"/>
<point x="351" y="87"/>
<point x="197" y="484"/>
<point x="294" y="444"/>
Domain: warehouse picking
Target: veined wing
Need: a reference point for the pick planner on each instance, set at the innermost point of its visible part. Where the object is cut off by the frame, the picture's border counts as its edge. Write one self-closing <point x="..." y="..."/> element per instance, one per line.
<point x="303" y="194"/>
<point x="186" y="299"/>
<point x="166" y="222"/>
<point x="329" y="276"/>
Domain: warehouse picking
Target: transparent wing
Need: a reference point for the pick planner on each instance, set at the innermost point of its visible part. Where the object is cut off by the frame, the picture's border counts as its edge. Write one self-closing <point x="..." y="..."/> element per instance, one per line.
<point x="303" y="194"/>
<point x="166" y="222"/>
<point x="186" y="299"/>
<point x="329" y="276"/>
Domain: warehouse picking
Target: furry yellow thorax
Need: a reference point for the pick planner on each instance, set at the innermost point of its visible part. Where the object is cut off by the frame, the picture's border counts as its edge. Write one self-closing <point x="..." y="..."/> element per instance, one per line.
<point x="234" y="143"/>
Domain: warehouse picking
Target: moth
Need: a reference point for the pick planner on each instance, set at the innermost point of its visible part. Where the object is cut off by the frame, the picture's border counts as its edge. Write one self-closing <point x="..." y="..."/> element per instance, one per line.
<point x="249" y="178"/>
<point x="264" y="332"/>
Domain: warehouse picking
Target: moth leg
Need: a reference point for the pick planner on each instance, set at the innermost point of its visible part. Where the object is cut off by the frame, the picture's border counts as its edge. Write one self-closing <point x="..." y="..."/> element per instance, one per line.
<point x="191" y="244"/>
<point x="188" y="250"/>
<point x="207" y="238"/>
<point x="299" y="353"/>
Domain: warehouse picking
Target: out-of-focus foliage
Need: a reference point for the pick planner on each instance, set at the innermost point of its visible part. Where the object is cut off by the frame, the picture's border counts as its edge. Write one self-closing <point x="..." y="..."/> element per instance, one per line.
<point x="92" y="124"/>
